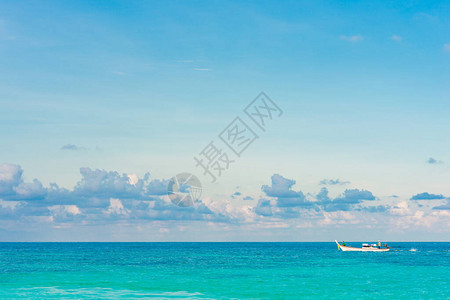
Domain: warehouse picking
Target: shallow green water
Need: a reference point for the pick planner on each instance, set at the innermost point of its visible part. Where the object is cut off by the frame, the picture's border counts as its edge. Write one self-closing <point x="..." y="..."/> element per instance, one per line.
<point x="222" y="270"/>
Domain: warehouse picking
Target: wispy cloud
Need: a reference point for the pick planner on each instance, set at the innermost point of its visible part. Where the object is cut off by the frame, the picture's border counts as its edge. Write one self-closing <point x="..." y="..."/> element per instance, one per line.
<point x="236" y="194"/>
<point x="396" y="38"/>
<point x="447" y="47"/>
<point x="425" y="17"/>
<point x="433" y="161"/>
<point x="202" y="69"/>
<point x="352" y="38"/>
<point x="72" y="147"/>
<point x="333" y="182"/>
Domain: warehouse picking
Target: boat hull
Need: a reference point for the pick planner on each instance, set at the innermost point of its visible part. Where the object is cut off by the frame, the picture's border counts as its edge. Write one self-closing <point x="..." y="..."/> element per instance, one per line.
<point x="363" y="249"/>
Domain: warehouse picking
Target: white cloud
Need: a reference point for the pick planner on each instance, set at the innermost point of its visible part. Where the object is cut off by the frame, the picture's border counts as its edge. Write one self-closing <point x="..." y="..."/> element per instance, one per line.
<point x="103" y="197"/>
<point x="396" y="38"/>
<point x="352" y="38"/>
<point x="116" y="207"/>
<point x="416" y="219"/>
<point x="10" y="176"/>
<point x="447" y="47"/>
<point x="401" y="209"/>
<point x="13" y="187"/>
<point x="133" y="179"/>
<point x="72" y="209"/>
<point x="441" y="213"/>
<point x="30" y="190"/>
<point x="338" y="217"/>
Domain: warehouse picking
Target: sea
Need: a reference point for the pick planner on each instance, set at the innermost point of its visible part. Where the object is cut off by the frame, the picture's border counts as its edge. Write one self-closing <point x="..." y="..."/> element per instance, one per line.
<point x="222" y="271"/>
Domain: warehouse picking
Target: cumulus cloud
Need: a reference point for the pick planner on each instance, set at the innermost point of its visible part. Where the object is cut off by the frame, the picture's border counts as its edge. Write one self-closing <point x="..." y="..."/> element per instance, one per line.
<point x="445" y="206"/>
<point x="10" y="177"/>
<point x="281" y="189"/>
<point x="101" y="194"/>
<point x="347" y="200"/>
<point x="356" y="196"/>
<point x="64" y="213"/>
<point x="376" y="209"/>
<point x="157" y="187"/>
<point x="30" y="190"/>
<point x="133" y="179"/>
<point x="427" y="196"/>
<point x="322" y="196"/>
<point x="264" y="208"/>
<point x="103" y="197"/>
<point x="400" y="209"/>
<point x="406" y="217"/>
<point x="289" y="202"/>
<point x="72" y="209"/>
<point x="13" y="187"/>
<point x="116" y="208"/>
<point x="101" y="183"/>
<point x="273" y="209"/>
<point x="111" y="184"/>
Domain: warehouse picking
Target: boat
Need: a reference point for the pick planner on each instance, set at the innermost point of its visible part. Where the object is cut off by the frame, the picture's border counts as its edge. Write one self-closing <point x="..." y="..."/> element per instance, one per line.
<point x="364" y="248"/>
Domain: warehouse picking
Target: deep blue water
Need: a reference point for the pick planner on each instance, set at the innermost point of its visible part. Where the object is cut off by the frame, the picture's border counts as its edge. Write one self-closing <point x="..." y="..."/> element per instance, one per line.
<point x="222" y="271"/>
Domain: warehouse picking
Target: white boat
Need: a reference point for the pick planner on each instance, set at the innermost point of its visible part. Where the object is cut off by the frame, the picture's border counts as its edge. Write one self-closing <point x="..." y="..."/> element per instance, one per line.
<point x="364" y="248"/>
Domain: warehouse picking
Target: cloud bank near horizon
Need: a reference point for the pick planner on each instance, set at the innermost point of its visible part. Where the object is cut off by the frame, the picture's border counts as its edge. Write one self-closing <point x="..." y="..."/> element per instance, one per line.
<point x="107" y="197"/>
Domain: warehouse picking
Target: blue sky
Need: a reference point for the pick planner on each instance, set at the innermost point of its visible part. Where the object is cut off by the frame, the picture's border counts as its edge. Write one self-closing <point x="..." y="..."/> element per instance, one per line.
<point x="141" y="86"/>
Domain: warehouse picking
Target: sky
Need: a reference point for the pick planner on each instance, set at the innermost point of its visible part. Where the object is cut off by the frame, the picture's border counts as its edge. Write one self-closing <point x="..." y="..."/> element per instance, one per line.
<point x="103" y="102"/>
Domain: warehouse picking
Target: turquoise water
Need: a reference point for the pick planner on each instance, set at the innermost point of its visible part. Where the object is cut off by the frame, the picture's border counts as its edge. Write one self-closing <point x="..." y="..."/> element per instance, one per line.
<point x="222" y="271"/>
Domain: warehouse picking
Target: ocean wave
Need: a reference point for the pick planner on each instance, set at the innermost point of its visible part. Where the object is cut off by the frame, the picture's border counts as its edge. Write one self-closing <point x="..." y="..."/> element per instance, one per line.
<point x="103" y="293"/>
